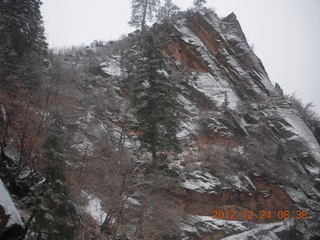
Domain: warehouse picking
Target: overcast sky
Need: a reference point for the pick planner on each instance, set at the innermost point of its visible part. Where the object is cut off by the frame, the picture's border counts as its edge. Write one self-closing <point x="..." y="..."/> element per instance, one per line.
<point x="286" y="33"/>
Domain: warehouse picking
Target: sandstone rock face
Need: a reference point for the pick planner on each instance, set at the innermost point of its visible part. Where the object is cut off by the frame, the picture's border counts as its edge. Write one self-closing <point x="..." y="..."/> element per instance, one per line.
<point x="226" y="67"/>
<point x="252" y="149"/>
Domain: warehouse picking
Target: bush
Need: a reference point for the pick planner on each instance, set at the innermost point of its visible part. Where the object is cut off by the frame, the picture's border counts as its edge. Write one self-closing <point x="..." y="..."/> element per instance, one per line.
<point x="221" y="161"/>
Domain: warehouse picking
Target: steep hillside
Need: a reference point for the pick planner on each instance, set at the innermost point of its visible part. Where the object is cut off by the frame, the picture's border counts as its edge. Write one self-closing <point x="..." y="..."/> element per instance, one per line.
<point x="249" y="166"/>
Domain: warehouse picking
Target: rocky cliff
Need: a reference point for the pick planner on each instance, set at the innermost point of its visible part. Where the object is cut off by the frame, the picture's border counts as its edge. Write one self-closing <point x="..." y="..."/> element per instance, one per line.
<point x="249" y="167"/>
<point x="245" y="146"/>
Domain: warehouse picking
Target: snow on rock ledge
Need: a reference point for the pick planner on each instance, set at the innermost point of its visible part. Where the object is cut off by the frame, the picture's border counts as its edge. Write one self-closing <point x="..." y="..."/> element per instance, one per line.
<point x="269" y="231"/>
<point x="300" y="129"/>
<point x="111" y="67"/>
<point x="8" y="207"/>
<point x="206" y="225"/>
<point x="201" y="182"/>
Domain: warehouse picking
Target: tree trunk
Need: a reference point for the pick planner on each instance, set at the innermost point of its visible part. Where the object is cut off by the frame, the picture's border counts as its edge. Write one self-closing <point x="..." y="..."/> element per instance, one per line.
<point x="143" y="22"/>
<point x="4" y="126"/>
<point x="154" y="155"/>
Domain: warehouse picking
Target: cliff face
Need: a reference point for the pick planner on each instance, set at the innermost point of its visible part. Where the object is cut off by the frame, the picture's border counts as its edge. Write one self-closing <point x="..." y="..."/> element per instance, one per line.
<point x="245" y="147"/>
<point x="208" y="45"/>
<point x="245" y="108"/>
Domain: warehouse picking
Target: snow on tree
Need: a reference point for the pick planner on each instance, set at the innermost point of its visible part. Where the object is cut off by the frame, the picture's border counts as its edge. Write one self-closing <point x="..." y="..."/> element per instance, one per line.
<point x="198" y="4"/>
<point x="167" y="10"/>
<point x="53" y="213"/>
<point x="22" y="35"/>
<point x="155" y="100"/>
<point x="142" y="11"/>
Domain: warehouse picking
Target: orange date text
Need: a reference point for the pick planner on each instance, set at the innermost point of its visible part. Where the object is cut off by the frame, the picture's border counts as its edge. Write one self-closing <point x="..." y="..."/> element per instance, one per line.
<point x="262" y="215"/>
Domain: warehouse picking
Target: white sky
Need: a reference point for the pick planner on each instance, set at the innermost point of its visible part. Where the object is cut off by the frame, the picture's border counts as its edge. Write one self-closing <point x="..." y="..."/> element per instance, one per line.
<point x="286" y="33"/>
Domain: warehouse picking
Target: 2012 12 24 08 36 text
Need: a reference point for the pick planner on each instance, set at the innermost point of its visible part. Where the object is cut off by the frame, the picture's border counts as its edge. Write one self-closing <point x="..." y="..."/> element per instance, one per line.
<point x="264" y="215"/>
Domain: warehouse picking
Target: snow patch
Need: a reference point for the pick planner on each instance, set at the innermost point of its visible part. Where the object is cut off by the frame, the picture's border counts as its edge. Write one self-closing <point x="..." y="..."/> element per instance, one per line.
<point x="188" y="105"/>
<point x="82" y="144"/>
<point x="187" y="128"/>
<point x="201" y="182"/>
<point x="236" y="181"/>
<point x="296" y="195"/>
<point x="299" y="127"/>
<point x="188" y="36"/>
<point x="196" y="224"/>
<point x="8" y="206"/>
<point x="94" y="208"/>
<point x="235" y="65"/>
<point x="163" y="73"/>
<point x="111" y="66"/>
<point x="218" y="91"/>
<point x="133" y="201"/>
<point x="268" y="229"/>
<point x="265" y="81"/>
<point x="12" y="153"/>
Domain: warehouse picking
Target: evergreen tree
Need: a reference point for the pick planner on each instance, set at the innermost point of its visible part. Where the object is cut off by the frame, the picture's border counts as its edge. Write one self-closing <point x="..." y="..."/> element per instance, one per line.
<point x="167" y="10"/>
<point x="21" y="37"/>
<point x="198" y="4"/>
<point x="141" y="12"/>
<point x="54" y="214"/>
<point x="155" y="100"/>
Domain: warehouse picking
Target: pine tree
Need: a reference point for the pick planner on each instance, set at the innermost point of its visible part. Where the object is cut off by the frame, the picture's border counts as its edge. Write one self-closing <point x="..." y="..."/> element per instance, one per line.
<point x="167" y="10"/>
<point x="54" y="214"/>
<point x="155" y="100"/>
<point x="198" y="4"/>
<point x="21" y="37"/>
<point x="141" y="12"/>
